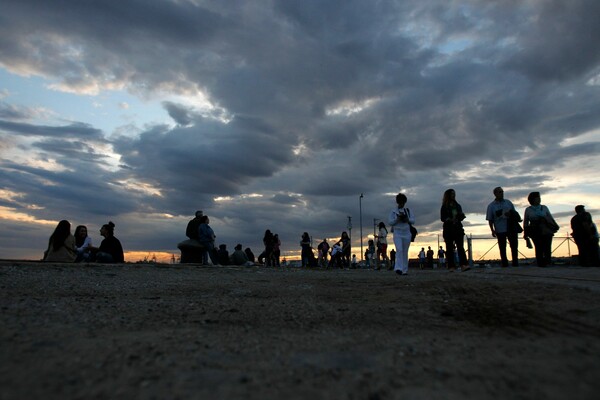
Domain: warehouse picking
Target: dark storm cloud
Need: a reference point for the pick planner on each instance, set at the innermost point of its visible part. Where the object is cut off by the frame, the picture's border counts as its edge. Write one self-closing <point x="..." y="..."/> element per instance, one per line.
<point x="181" y="115"/>
<point x="205" y="160"/>
<point x="559" y="44"/>
<point x="74" y="130"/>
<point x="323" y="101"/>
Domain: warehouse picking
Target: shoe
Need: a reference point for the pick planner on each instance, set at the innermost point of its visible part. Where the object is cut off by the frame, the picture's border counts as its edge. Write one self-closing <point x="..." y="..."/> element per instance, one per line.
<point x="401" y="273"/>
<point x="464" y="268"/>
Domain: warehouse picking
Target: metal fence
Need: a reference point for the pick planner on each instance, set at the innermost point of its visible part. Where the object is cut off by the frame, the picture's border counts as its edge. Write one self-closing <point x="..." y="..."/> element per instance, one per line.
<point x="562" y="246"/>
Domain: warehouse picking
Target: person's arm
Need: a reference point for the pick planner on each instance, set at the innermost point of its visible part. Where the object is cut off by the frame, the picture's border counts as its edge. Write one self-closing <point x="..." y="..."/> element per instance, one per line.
<point x="393" y="218"/>
<point x="444" y="214"/>
<point x="411" y="217"/>
<point x="550" y="217"/>
<point x="491" y="223"/>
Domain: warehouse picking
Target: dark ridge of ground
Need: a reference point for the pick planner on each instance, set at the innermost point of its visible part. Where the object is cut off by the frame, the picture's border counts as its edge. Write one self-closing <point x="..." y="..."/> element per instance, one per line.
<point x="177" y="332"/>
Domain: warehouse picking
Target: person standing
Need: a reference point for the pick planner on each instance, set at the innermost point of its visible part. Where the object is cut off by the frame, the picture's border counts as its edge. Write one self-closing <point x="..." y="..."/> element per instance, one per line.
<point x="452" y="216"/>
<point x="267" y="255"/>
<point x="585" y="235"/>
<point x="306" y="250"/>
<point x="276" y="250"/>
<point x="497" y="215"/>
<point x="401" y="218"/>
<point x="382" y="244"/>
<point x="540" y="226"/>
<point x="346" y="248"/>
<point x="206" y="237"/>
<point x="442" y="257"/>
<point x="422" y="257"/>
<point x="429" y="257"/>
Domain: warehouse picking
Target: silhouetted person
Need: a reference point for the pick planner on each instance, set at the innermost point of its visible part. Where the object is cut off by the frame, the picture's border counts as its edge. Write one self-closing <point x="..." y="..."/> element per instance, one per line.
<point x="61" y="245"/>
<point x="498" y="212"/>
<point x="585" y="235"/>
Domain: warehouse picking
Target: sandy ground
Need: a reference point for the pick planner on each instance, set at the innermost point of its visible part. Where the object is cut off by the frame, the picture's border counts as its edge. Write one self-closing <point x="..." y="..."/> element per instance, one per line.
<point x="179" y="332"/>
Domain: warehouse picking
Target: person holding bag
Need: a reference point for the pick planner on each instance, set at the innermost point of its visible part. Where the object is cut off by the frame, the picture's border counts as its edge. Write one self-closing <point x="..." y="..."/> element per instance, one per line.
<point x="401" y="220"/>
<point x="540" y="227"/>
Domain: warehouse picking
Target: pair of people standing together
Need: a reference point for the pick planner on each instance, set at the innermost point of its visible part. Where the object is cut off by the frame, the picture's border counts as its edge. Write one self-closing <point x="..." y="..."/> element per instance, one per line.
<point x="451" y="214"/>
<point x="538" y="225"/>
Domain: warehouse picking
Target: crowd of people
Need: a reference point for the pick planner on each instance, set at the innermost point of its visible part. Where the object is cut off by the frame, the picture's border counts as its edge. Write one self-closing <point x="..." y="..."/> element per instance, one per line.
<point x="504" y="221"/>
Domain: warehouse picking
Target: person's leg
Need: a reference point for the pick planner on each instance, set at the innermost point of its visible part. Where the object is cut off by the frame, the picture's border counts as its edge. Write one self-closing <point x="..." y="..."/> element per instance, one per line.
<point x="398" y="260"/>
<point x="539" y="250"/>
<point x="547" y="249"/>
<point x="513" y="240"/>
<point x="405" y="247"/>
<point x="450" y="245"/>
<point x="460" y="248"/>
<point x="502" y="247"/>
<point x="103" y="257"/>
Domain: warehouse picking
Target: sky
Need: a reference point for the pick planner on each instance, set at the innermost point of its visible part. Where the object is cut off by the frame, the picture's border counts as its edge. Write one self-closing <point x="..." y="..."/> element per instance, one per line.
<point x="279" y="114"/>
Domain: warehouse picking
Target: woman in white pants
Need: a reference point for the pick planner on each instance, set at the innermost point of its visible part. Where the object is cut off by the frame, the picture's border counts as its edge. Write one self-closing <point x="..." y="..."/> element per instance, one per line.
<point x="400" y="219"/>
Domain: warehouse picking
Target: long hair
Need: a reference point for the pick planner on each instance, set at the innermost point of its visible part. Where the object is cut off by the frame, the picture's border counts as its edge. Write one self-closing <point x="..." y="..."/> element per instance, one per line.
<point x="446" y="200"/>
<point x="60" y="234"/>
<point x="382" y="225"/>
<point x="79" y="240"/>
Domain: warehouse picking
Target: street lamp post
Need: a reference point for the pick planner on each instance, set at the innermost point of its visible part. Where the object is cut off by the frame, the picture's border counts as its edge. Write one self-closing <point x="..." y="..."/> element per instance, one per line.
<point x="349" y="226"/>
<point x="360" y="215"/>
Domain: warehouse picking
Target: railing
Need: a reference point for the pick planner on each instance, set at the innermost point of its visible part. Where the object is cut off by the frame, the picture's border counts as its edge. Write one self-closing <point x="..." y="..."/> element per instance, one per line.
<point x="559" y="250"/>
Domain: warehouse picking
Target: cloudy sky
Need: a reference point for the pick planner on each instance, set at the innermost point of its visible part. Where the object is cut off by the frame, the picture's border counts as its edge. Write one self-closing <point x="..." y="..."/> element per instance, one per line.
<point x="279" y="114"/>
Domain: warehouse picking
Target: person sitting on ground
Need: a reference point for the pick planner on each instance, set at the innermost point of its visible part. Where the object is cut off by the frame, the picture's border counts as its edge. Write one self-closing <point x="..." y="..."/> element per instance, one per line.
<point x="83" y="243"/>
<point x="110" y="250"/>
<point x="61" y="245"/>
<point x="250" y="255"/>
<point x="223" y="255"/>
<point x="336" y="257"/>
<point x="238" y="257"/>
<point x="585" y="234"/>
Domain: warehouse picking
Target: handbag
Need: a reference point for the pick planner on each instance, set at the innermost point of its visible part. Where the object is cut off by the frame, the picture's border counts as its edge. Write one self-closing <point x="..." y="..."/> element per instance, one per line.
<point x="413" y="232"/>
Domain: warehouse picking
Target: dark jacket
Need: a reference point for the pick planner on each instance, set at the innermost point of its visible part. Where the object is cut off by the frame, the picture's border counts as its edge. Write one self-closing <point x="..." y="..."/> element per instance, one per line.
<point x="112" y="246"/>
<point x="453" y="227"/>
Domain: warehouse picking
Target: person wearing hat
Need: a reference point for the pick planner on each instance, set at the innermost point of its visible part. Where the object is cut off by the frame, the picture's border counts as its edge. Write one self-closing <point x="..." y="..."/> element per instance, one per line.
<point x="192" y="228"/>
<point x="585" y="235"/>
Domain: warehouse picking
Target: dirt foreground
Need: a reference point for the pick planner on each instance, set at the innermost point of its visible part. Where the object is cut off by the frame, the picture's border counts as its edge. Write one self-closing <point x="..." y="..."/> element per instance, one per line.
<point x="181" y="332"/>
